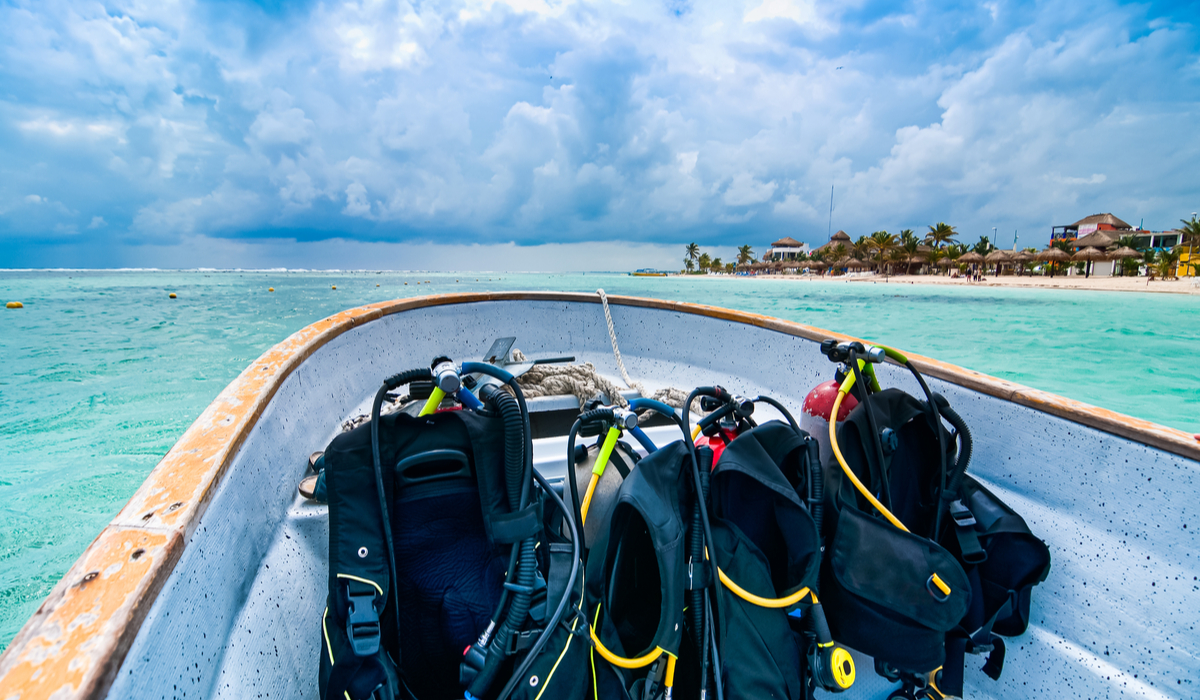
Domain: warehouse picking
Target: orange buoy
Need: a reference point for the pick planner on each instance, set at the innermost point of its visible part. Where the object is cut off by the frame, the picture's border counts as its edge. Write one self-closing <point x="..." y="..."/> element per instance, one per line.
<point x="171" y="295"/>
<point x="14" y="305"/>
<point x="270" y="289"/>
<point x="376" y="285"/>
<point x="333" y="286"/>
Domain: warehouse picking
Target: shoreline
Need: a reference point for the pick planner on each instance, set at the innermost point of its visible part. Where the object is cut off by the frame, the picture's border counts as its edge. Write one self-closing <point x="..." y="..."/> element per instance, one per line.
<point x="1185" y="286"/>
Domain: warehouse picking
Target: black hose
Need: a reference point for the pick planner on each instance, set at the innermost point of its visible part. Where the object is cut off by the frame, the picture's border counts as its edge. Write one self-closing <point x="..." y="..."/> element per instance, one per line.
<point x="779" y="407"/>
<point x="936" y="418"/>
<point x="816" y="487"/>
<point x="696" y="551"/>
<point x="964" y="451"/>
<point x="526" y="569"/>
<point x="684" y="424"/>
<point x="389" y="384"/>
<point x="514" y="442"/>
<point x="556" y="618"/>
<point x="877" y="438"/>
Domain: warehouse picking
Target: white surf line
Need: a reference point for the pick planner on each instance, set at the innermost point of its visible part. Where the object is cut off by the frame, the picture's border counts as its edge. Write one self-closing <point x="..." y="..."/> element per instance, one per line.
<point x="1106" y="672"/>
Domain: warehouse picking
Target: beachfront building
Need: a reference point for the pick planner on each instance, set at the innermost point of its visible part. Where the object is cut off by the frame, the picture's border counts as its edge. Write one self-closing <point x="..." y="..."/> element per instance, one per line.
<point x="1089" y="225"/>
<point x="785" y="249"/>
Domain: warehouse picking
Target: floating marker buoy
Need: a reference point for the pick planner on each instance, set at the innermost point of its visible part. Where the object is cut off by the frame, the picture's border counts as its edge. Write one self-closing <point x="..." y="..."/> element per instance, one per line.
<point x="171" y="295"/>
<point x="406" y="284"/>
<point x="376" y="285"/>
<point x="14" y="305"/>
<point x="334" y="286"/>
<point x="270" y="289"/>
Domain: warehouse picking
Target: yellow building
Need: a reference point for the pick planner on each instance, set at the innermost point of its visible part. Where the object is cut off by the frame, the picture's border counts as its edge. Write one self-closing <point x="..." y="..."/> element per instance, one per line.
<point x="1184" y="269"/>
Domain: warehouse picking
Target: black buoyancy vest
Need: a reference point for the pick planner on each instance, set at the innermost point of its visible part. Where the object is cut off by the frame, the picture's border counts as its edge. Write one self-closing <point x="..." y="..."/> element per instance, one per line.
<point x="878" y="586"/>
<point x="444" y="483"/>
<point x="766" y="541"/>
<point x="636" y="571"/>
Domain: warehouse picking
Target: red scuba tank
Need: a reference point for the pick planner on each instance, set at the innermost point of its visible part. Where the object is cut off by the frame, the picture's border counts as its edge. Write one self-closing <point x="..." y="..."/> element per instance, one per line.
<point x="814" y="415"/>
<point x="717" y="443"/>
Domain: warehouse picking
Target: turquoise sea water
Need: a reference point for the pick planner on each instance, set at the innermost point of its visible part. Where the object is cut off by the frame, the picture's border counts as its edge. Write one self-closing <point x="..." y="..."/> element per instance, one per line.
<point x="100" y="373"/>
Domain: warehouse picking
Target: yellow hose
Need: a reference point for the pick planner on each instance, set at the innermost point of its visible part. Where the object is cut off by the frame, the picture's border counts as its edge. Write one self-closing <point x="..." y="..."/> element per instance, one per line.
<point x="610" y="441"/>
<point x="837" y="452"/>
<point x="621" y="661"/>
<point x="759" y="600"/>
<point x="435" y="400"/>
<point x="695" y="432"/>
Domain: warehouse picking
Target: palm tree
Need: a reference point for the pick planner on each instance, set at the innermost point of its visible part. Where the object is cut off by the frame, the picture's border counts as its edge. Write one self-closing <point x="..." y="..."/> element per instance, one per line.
<point x="705" y="262"/>
<point x="1190" y="233"/>
<point x="909" y="247"/>
<point x="730" y="267"/>
<point x="693" y="253"/>
<point x="1164" y="263"/>
<point x="716" y="264"/>
<point x="883" y="243"/>
<point x="688" y="264"/>
<point x="861" y="248"/>
<point x="745" y="255"/>
<point x="836" y="253"/>
<point x="940" y="234"/>
<point x="984" y="246"/>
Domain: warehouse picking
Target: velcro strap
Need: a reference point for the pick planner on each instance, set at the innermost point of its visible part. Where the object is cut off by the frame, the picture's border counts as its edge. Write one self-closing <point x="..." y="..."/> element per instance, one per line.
<point x="514" y="527"/>
<point x="951" y="681"/>
<point x="964" y="530"/>
<point x="995" y="662"/>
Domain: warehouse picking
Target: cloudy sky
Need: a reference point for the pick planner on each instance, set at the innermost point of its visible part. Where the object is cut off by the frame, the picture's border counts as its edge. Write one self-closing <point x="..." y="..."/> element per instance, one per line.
<point x="468" y="134"/>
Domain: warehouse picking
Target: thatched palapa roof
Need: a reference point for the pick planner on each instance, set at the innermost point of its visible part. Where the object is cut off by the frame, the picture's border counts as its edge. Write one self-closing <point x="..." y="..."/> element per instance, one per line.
<point x="971" y="257"/>
<point x="1101" y="219"/>
<point x="1053" y="255"/>
<point x="787" y="242"/>
<point x="1096" y="239"/>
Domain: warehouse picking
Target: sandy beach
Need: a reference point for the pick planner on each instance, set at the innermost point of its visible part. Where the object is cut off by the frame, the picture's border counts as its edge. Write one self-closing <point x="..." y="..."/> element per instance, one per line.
<point x="1183" y="285"/>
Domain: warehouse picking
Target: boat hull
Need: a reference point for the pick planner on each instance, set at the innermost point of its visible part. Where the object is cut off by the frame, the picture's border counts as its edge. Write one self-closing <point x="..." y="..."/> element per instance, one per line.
<point x="224" y="598"/>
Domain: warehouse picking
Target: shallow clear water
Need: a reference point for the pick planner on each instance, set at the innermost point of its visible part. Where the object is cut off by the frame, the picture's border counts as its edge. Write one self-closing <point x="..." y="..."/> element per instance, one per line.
<point x="100" y="373"/>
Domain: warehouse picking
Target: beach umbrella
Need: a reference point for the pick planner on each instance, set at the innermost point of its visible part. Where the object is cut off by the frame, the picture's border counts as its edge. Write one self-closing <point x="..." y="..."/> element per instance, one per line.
<point x="1020" y="257"/>
<point x="972" y="258"/>
<point x="946" y="262"/>
<point x="1089" y="255"/>
<point x="997" y="257"/>
<point x="1122" y="253"/>
<point x="1053" y="255"/>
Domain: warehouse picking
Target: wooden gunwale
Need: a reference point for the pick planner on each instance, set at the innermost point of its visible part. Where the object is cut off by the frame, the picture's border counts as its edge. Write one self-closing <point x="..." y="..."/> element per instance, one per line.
<point x="76" y="641"/>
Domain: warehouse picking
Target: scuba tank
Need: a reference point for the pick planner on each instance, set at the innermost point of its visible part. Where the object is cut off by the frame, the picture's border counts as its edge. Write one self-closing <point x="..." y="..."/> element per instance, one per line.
<point x="817" y="408"/>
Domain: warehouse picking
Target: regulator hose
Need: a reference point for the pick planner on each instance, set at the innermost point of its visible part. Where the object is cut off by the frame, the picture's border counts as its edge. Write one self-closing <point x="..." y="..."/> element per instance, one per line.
<point x="389" y="384"/>
<point x="514" y="443"/>
<point x="557" y="617"/>
<point x="576" y="506"/>
<point x="964" y="450"/>
<point x="695" y="596"/>
<point x="520" y="582"/>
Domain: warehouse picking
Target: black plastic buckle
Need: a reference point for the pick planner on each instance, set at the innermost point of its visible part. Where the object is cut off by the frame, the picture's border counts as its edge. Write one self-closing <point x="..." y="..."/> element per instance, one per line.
<point x="520" y="641"/>
<point x="362" y="625"/>
<point x="961" y="514"/>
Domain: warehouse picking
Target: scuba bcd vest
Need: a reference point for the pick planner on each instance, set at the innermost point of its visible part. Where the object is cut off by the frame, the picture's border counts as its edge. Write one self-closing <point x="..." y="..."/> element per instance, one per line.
<point x="917" y="600"/>
<point x="766" y="544"/>
<point x="636" y="576"/>
<point x="435" y="527"/>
